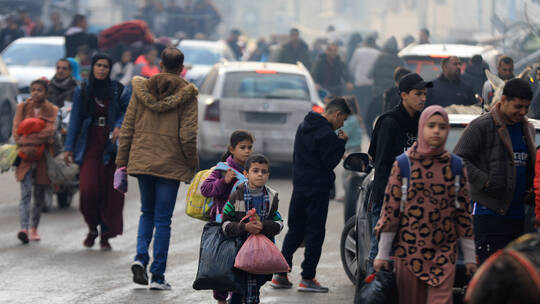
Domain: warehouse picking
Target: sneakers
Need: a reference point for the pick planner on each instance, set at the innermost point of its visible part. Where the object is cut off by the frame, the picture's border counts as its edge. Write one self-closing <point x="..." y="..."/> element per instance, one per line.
<point x="281" y="282"/>
<point x="104" y="244"/>
<point x="34" y="236"/>
<point x="90" y="239"/>
<point x="311" y="286"/>
<point x="139" y="273"/>
<point x="160" y="286"/>
<point x="23" y="236"/>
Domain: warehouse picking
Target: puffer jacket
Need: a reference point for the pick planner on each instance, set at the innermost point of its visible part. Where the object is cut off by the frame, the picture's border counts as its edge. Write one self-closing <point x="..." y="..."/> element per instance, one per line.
<point x="486" y="149"/>
<point x="159" y="132"/>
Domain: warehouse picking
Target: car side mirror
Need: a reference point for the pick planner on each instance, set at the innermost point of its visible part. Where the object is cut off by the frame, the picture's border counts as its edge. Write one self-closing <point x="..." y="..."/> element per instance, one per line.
<point x="357" y="162"/>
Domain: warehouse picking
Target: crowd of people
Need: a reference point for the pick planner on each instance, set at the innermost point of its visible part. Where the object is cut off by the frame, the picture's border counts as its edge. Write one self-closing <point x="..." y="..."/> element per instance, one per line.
<point x="125" y="111"/>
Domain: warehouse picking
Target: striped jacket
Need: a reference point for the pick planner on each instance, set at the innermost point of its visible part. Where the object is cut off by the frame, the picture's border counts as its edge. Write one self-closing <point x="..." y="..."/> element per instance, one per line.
<point x="235" y="210"/>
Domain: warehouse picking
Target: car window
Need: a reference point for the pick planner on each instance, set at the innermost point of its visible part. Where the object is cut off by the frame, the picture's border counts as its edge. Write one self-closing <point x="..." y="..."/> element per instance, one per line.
<point x="453" y="137"/>
<point x="209" y="82"/>
<point x="200" y="55"/>
<point x="33" y="54"/>
<point x="428" y="67"/>
<point x="265" y="84"/>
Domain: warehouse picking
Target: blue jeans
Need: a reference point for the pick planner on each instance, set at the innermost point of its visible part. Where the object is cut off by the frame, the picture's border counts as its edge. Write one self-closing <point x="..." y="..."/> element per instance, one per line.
<point x="158" y="198"/>
<point x="375" y="215"/>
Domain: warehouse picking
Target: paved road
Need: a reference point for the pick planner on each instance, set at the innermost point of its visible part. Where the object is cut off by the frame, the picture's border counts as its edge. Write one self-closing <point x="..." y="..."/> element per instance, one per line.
<point x="59" y="270"/>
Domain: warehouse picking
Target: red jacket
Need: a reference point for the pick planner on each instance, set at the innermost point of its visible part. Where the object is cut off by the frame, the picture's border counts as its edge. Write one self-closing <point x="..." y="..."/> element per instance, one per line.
<point x="537" y="185"/>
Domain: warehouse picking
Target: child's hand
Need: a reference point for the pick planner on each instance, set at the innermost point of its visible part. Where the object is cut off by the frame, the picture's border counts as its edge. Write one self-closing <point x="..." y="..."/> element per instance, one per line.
<point x="471" y="269"/>
<point x="254" y="227"/>
<point x="229" y="176"/>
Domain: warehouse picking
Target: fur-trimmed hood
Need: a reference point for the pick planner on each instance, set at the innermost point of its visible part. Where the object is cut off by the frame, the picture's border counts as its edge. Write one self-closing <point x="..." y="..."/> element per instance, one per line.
<point x="163" y="92"/>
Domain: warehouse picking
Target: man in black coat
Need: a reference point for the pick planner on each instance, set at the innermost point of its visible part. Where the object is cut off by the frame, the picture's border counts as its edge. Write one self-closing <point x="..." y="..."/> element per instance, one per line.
<point x="295" y="50"/>
<point x="317" y="151"/>
<point x="448" y="89"/>
<point x="330" y="72"/>
<point x="394" y="132"/>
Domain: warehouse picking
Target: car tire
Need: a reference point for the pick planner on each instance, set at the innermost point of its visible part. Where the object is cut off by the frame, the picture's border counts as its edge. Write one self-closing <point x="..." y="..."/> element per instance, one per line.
<point x="6" y="121"/>
<point x="348" y="249"/>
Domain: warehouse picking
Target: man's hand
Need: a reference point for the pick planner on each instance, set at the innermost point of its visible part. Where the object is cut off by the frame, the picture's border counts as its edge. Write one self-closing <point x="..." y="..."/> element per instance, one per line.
<point x="229" y="176"/>
<point x="343" y="135"/>
<point x="68" y="157"/>
<point x="254" y="227"/>
<point x="115" y="135"/>
<point x="379" y="265"/>
<point x="471" y="269"/>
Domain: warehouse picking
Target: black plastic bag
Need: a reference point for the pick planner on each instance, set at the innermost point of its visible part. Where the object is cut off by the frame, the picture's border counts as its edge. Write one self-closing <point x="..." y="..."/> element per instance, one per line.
<point x="378" y="288"/>
<point x="216" y="261"/>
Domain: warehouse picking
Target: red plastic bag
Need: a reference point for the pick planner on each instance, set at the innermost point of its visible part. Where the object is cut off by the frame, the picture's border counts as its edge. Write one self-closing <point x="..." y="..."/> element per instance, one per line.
<point x="30" y="125"/>
<point x="259" y="255"/>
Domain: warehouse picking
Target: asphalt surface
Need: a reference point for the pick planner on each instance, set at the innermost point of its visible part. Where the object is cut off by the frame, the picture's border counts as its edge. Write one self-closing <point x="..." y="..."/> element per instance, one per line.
<point x="58" y="269"/>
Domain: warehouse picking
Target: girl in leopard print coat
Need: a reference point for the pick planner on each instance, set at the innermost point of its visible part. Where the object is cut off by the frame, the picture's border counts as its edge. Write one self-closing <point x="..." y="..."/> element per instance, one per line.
<point x="425" y="231"/>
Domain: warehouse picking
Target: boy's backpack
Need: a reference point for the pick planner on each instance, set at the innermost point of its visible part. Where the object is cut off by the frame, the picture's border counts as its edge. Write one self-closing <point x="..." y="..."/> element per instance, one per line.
<point x="197" y="205"/>
<point x="404" y="165"/>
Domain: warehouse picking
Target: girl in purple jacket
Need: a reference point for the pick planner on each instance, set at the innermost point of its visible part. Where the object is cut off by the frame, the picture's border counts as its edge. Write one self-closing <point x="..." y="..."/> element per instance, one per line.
<point x="220" y="183"/>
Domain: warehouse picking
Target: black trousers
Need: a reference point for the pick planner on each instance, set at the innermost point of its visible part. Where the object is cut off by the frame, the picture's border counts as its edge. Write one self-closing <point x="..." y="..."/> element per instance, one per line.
<point x="492" y="233"/>
<point x="307" y="223"/>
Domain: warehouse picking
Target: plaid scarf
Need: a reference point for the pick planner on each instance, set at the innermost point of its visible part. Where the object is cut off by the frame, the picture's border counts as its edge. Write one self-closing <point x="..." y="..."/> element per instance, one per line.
<point x="248" y="198"/>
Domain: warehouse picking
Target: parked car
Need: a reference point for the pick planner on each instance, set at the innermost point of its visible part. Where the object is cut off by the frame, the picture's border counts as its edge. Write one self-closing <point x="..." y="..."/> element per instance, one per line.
<point x="356" y="235"/>
<point x="425" y="59"/>
<point x="268" y="99"/>
<point x="200" y="56"/>
<point x="8" y="102"/>
<point x="30" y="58"/>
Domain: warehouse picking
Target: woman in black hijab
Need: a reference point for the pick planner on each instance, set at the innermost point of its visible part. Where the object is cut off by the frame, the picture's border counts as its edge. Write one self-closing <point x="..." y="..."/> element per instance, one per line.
<point x="98" y="109"/>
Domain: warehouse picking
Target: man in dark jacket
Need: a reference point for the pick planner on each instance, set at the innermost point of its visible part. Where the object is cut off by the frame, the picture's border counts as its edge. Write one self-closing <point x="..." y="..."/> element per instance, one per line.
<point x="448" y="89"/>
<point x="232" y="41"/>
<point x="295" y="50"/>
<point x="499" y="150"/>
<point x="474" y="75"/>
<point x="76" y="36"/>
<point x="317" y="151"/>
<point x="394" y="132"/>
<point x="330" y="72"/>
<point x="62" y="85"/>
<point x="11" y="33"/>
<point x="56" y="28"/>
<point x="385" y="66"/>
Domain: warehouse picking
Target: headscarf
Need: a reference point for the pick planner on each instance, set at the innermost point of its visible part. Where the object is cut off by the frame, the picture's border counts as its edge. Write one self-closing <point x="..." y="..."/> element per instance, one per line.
<point x="423" y="148"/>
<point x="100" y="88"/>
<point x="75" y="69"/>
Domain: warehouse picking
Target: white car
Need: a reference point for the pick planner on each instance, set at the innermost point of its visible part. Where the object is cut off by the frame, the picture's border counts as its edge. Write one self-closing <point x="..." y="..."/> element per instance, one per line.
<point x="8" y="102"/>
<point x="425" y="59"/>
<point x="31" y="58"/>
<point x="268" y="99"/>
<point x="201" y="55"/>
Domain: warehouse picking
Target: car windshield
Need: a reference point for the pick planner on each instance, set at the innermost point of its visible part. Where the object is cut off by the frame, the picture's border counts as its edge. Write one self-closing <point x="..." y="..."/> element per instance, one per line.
<point x="200" y="55"/>
<point x="265" y="85"/>
<point x="33" y="54"/>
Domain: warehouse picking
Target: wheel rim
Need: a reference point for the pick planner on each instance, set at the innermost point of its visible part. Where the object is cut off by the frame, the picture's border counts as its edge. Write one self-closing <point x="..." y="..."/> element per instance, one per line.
<point x="5" y="121"/>
<point x="350" y="252"/>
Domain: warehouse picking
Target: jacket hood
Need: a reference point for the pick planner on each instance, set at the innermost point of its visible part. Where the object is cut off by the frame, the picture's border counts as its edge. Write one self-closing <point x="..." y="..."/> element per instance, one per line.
<point x="390" y="45"/>
<point x="163" y="92"/>
<point x="314" y="121"/>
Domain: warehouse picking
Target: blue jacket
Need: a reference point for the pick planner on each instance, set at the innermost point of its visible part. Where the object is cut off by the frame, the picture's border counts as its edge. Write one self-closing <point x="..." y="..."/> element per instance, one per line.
<point x="317" y="151"/>
<point x="79" y="123"/>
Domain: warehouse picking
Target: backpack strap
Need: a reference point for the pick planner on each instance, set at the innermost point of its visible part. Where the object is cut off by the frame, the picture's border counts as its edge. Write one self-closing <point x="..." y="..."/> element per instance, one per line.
<point x="457" y="171"/>
<point x="222" y="166"/>
<point x="404" y="165"/>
